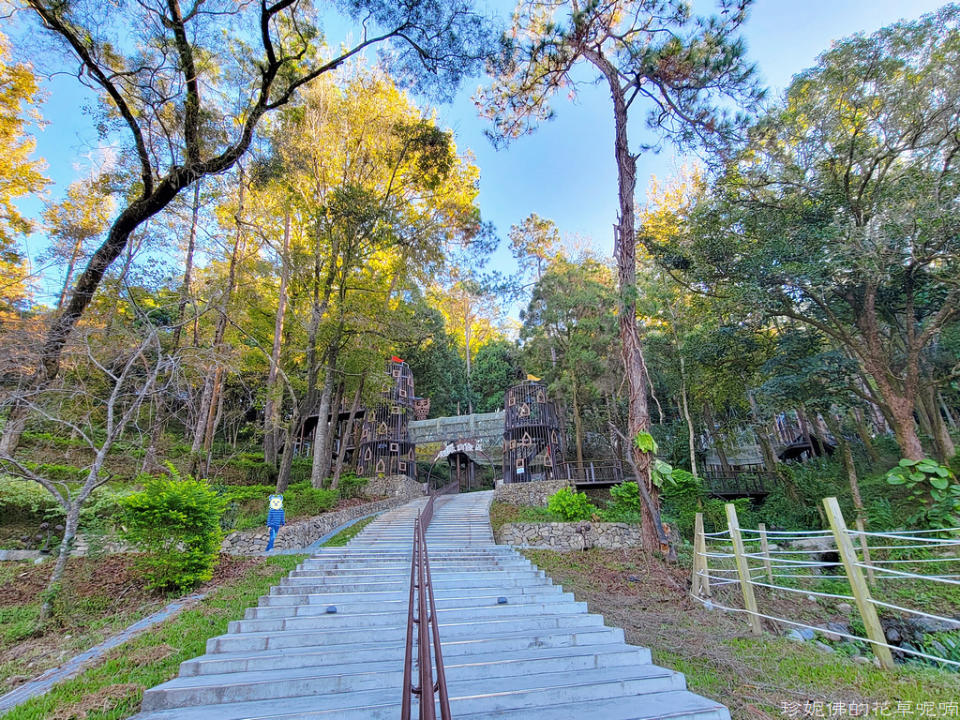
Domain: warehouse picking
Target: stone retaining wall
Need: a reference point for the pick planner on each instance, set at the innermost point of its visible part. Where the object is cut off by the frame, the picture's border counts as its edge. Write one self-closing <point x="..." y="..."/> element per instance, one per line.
<point x="298" y="534"/>
<point x="528" y="493"/>
<point x="570" y="535"/>
<point x="394" y="486"/>
<point x="302" y="533"/>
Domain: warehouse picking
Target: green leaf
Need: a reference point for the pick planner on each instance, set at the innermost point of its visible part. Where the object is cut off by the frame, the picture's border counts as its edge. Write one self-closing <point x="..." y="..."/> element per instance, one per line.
<point x="940" y="483"/>
<point x="644" y="442"/>
<point x="896" y="479"/>
<point x="907" y="462"/>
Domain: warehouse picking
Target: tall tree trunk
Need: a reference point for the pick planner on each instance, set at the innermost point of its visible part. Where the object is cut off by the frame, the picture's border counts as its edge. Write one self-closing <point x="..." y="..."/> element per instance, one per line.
<point x="946" y="411"/>
<point x="846" y="455"/>
<point x="691" y="433"/>
<point x="717" y="440"/>
<point x="188" y="267"/>
<point x="71" y="265"/>
<point x="286" y="459"/>
<point x="905" y="428"/>
<point x="347" y="433"/>
<point x="271" y="411"/>
<point x="942" y="442"/>
<point x="577" y="426"/>
<point x="321" y="299"/>
<point x="206" y="425"/>
<point x="163" y="410"/>
<point x="321" y="434"/>
<point x="625" y="251"/>
<point x="864" y="434"/>
<point x="760" y="429"/>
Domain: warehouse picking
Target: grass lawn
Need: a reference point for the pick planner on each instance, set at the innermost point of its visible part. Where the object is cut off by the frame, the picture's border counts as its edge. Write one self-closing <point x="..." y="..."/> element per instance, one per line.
<point x="345" y="536"/>
<point x="503" y="513"/>
<point x="113" y="687"/>
<point x="753" y="676"/>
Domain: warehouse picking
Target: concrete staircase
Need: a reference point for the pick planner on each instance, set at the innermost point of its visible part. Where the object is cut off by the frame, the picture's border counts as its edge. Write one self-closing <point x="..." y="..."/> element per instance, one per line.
<point x="539" y="655"/>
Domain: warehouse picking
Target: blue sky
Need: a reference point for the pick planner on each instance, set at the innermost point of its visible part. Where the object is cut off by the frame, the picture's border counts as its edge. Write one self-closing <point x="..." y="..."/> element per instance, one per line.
<point x="565" y="171"/>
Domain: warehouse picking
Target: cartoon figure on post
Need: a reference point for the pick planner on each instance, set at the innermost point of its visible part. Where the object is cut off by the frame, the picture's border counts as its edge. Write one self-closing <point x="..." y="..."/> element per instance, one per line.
<point x="275" y="518"/>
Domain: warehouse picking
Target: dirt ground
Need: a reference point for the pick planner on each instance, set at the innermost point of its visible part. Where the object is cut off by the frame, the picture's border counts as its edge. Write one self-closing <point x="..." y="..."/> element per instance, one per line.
<point x="755" y="677"/>
<point x="100" y="597"/>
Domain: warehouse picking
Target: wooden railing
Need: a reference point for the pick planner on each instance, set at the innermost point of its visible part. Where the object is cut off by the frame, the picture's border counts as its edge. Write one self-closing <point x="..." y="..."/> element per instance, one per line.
<point x="737" y="484"/>
<point x="587" y="472"/>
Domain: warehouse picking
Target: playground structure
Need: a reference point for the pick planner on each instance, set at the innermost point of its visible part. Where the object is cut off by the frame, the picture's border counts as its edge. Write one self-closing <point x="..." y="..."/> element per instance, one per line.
<point x="533" y="442"/>
<point x="524" y="442"/>
<point x="385" y="446"/>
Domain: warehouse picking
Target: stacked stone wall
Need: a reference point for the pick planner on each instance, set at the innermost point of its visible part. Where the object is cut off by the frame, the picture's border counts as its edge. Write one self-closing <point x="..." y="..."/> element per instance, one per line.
<point x="528" y="493"/>
<point x="571" y="535"/>
<point x="302" y="533"/>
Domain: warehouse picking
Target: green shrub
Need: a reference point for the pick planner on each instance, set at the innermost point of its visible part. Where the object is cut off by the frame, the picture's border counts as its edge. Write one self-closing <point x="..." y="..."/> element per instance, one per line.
<point x="58" y="473"/>
<point x="571" y="505"/>
<point x="351" y="485"/>
<point x="625" y="505"/>
<point x="300" y="470"/>
<point x="302" y="500"/>
<point x="256" y="471"/>
<point x="175" y="522"/>
<point x="25" y="498"/>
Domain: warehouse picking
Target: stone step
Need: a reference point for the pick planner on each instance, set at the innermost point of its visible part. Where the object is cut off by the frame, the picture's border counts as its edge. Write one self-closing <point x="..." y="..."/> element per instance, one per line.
<point x="475" y="696"/>
<point x="328" y="598"/>
<point x="585" y="640"/>
<point x="232" y="642"/>
<point x="306" y="576"/>
<point x="351" y="677"/>
<point x="439" y="583"/>
<point x="464" y="677"/>
<point x="387" y="618"/>
<point x="673" y="705"/>
<point x="330" y="566"/>
<point x="550" y="595"/>
<point x="540" y="656"/>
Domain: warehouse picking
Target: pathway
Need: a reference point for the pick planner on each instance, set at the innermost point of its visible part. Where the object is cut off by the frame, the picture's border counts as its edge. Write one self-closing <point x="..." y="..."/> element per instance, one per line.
<point x="539" y="656"/>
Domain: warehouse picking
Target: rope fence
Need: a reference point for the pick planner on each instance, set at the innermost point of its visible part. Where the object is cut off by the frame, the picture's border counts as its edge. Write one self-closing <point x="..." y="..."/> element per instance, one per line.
<point x="850" y="565"/>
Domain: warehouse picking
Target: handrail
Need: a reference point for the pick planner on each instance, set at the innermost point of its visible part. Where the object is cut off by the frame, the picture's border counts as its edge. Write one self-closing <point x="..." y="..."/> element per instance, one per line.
<point x="426" y="621"/>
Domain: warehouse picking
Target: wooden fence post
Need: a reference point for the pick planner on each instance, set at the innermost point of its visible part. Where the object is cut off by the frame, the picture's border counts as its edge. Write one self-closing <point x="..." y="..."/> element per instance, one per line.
<point x="858" y="584"/>
<point x="743" y="568"/>
<point x="865" y="549"/>
<point x="701" y="573"/>
<point x="765" y="548"/>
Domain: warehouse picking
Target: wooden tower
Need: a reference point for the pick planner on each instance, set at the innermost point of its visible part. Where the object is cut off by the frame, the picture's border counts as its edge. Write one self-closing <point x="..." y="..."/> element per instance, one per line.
<point x="385" y="445"/>
<point x="533" y="447"/>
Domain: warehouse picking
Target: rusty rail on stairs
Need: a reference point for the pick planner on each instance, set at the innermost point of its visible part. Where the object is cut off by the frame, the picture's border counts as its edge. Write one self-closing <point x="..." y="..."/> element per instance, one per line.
<point x="422" y="615"/>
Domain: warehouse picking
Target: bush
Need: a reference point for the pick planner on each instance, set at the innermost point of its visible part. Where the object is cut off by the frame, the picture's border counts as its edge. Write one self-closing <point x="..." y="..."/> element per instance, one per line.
<point x="625" y="505"/>
<point x="58" y="473"/>
<point x="175" y="522"/>
<point x="25" y="498"/>
<point x="256" y="471"/>
<point x="570" y="505"/>
<point x="300" y="470"/>
<point x="302" y="500"/>
<point x="351" y="486"/>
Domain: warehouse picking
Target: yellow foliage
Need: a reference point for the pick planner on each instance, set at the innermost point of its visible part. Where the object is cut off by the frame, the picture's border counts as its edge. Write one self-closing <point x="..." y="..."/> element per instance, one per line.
<point x="19" y="175"/>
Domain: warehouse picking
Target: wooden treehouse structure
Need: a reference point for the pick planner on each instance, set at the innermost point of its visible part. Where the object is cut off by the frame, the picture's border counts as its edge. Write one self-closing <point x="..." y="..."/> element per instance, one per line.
<point x="385" y="446"/>
<point x="533" y="442"/>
